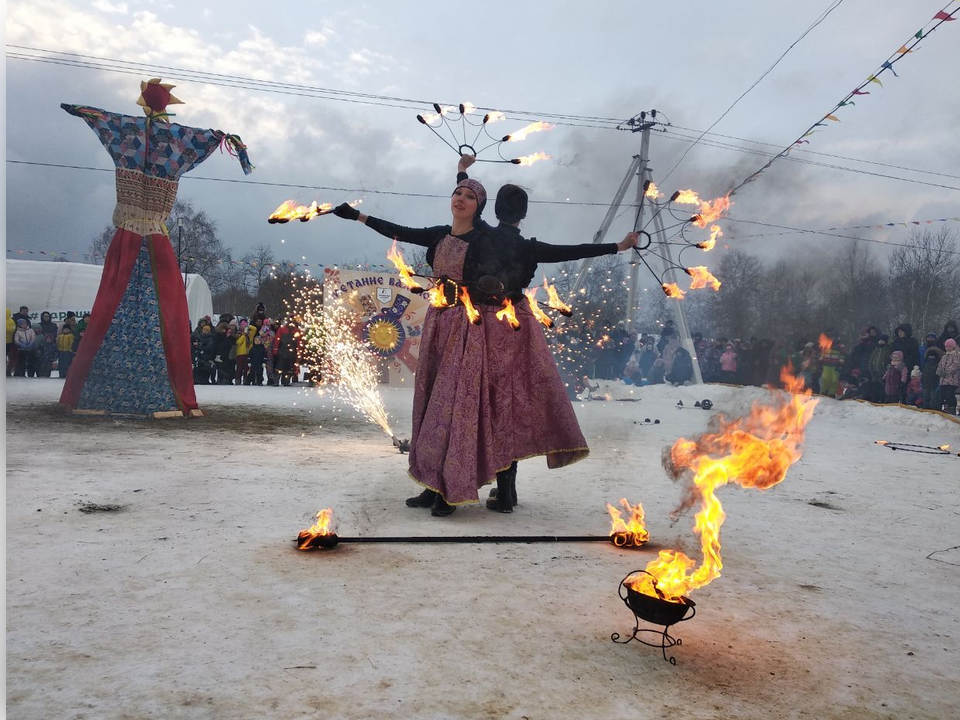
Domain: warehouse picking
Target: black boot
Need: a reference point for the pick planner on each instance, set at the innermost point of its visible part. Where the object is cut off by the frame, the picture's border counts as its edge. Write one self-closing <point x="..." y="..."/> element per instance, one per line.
<point x="504" y="499"/>
<point x="512" y="470"/>
<point x="423" y="500"/>
<point x="441" y="508"/>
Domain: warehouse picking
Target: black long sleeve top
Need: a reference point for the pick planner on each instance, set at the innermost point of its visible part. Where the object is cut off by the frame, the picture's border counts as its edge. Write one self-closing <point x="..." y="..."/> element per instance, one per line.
<point x="501" y="252"/>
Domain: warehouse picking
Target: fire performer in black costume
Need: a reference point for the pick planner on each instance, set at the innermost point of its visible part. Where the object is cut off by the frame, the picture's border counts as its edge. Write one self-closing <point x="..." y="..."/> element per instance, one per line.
<point x="486" y="394"/>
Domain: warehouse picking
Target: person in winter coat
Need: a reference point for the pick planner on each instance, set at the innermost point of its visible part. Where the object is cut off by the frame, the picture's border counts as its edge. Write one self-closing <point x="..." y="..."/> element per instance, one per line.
<point x="949" y="331"/>
<point x="26" y="341"/>
<point x="877" y="368"/>
<point x="11" y="346"/>
<point x="728" y="365"/>
<point x="46" y="344"/>
<point x="928" y="342"/>
<point x="65" y="343"/>
<point x="949" y="372"/>
<point x="810" y="366"/>
<point x="681" y="368"/>
<point x="895" y="378"/>
<point x="904" y="341"/>
<point x="267" y="335"/>
<point x="915" y="388"/>
<point x="930" y="380"/>
<point x="287" y="343"/>
<point x="245" y="334"/>
<point x="830" y="364"/>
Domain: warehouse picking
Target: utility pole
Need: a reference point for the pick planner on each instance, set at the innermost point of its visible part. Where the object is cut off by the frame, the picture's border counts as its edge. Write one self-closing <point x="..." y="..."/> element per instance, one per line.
<point x="640" y="169"/>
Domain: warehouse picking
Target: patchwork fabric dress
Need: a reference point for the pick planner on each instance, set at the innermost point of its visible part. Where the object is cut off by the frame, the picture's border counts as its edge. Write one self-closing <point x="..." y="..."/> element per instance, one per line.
<point x="485" y="395"/>
<point x="135" y="355"/>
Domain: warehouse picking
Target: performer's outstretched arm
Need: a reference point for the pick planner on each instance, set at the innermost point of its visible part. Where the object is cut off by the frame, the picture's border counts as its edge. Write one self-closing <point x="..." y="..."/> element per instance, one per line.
<point x="547" y="252"/>
<point x="416" y="236"/>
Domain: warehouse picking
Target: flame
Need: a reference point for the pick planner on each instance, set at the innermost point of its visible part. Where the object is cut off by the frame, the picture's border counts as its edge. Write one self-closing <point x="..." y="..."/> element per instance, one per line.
<point x="531" y="159"/>
<point x="535" y="308"/>
<point x="495" y="116"/>
<point x="711" y="210"/>
<point x="826" y="344"/>
<point x="672" y="290"/>
<point x="632" y="533"/>
<point x="508" y="315"/>
<point x="945" y="448"/>
<point x="320" y="528"/>
<point x="701" y="278"/>
<point x="473" y="315"/>
<point x="881" y="442"/>
<point x="652" y="193"/>
<point x="467" y="107"/>
<point x="522" y="133"/>
<point x="406" y="272"/>
<point x="715" y="232"/>
<point x="289" y="210"/>
<point x="554" y="301"/>
<point x="436" y="297"/>
<point x="687" y="197"/>
<point x="753" y="451"/>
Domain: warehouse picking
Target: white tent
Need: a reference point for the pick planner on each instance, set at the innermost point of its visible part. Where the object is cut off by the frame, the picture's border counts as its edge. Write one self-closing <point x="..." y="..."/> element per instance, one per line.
<point x="59" y="287"/>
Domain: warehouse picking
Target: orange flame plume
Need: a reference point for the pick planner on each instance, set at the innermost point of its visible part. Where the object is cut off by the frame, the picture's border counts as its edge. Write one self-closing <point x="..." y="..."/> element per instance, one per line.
<point x="627" y="534"/>
<point x="701" y="278"/>
<point x="672" y="290"/>
<point x="687" y="197"/>
<point x="406" y="272"/>
<point x="508" y="315"/>
<point x="430" y="118"/>
<point x="653" y="193"/>
<point x="715" y="232"/>
<point x="530" y="159"/>
<point x="754" y="451"/>
<point x="554" y="301"/>
<point x="320" y="528"/>
<point x="522" y="133"/>
<point x="289" y="210"/>
<point x="437" y="297"/>
<point x="711" y="210"/>
<point x="473" y="315"/>
<point x="826" y="344"/>
<point x="535" y="308"/>
<point x="881" y="442"/>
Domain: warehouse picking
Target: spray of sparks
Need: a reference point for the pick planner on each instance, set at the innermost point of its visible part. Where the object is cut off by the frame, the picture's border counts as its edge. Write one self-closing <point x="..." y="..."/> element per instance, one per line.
<point x="333" y="342"/>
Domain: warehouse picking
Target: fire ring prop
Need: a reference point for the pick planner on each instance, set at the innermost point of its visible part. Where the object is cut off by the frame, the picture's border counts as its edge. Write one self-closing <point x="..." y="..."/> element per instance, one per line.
<point x="654" y="610"/>
<point x="908" y="447"/>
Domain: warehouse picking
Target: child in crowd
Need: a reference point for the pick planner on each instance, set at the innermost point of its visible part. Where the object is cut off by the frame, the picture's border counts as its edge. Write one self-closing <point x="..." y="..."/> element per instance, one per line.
<point x="65" y="343"/>
<point x="930" y="380"/>
<point x="728" y="365"/>
<point x="949" y="372"/>
<point x="895" y="378"/>
<point x="914" y="388"/>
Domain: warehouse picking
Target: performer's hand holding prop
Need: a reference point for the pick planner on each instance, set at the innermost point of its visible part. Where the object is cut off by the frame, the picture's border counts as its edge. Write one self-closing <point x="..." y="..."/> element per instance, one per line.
<point x="343" y="210"/>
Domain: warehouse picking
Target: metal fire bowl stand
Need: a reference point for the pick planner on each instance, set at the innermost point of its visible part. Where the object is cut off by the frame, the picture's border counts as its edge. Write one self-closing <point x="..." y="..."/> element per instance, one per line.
<point x="656" y="611"/>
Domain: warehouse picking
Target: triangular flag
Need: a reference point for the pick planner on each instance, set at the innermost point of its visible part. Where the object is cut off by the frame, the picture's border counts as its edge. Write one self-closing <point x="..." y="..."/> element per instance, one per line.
<point x="800" y="142"/>
<point x="820" y="125"/>
<point x="919" y="35"/>
<point x="858" y="91"/>
<point x="832" y="117"/>
<point x="873" y="78"/>
<point x="808" y="133"/>
<point x="943" y="15"/>
<point x="847" y="102"/>
<point x="888" y="66"/>
<point x="903" y="50"/>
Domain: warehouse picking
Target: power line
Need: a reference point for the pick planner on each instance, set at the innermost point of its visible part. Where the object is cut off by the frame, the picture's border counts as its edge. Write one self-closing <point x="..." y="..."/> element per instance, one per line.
<point x="130" y="67"/>
<point x="439" y="196"/>
<point x="823" y="16"/>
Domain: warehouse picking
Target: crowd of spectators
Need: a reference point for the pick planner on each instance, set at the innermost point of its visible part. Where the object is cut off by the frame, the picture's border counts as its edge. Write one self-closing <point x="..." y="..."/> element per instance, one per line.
<point x="34" y="348"/>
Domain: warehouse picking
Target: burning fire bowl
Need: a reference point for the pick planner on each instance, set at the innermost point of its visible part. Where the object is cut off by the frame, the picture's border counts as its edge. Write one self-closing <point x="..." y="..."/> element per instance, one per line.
<point x="656" y="610"/>
<point x="311" y="541"/>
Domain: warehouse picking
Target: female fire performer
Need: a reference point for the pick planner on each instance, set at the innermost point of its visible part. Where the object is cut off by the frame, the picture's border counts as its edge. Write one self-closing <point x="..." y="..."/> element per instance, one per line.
<point x="486" y="395"/>
<point x="141" y="300"/>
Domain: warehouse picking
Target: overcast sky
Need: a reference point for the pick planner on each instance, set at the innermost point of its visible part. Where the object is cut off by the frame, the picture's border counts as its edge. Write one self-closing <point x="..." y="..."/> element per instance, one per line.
<point x="688" y="60"/>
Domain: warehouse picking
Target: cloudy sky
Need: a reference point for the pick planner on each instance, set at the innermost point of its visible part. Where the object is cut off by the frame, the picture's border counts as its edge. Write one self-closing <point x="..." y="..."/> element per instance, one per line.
<point x="605" y="59"/>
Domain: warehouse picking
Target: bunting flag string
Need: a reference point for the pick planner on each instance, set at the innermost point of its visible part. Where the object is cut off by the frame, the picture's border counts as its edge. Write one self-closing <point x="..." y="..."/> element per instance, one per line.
<point x="886" y="66"/>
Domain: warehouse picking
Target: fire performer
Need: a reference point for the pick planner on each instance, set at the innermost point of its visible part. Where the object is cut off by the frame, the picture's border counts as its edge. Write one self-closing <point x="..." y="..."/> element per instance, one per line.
<point x="142" y="295"/>
<point x="486" y="395"/>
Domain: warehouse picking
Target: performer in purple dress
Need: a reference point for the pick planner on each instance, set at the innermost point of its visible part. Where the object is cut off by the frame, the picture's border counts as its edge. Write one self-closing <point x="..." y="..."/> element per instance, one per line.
<point x="485" y="395"/>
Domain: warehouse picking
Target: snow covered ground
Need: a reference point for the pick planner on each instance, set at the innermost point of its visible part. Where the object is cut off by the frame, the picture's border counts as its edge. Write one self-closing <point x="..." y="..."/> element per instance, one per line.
<point x="838" y="597"/>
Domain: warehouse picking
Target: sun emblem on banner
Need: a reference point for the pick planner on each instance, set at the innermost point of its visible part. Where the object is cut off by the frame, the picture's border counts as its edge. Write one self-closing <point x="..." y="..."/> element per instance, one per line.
<point x="384" y="335"/>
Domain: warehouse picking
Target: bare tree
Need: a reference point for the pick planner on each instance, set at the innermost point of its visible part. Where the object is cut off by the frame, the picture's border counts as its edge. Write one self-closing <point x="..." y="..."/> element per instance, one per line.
<point x="739" y="304"/>
<point x="923" y="277"/>
<point x="98" y="248"/>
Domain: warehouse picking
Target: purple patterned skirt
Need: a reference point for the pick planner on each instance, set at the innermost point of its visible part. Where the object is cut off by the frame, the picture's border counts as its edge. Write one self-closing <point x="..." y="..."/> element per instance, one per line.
<point x="485" y="395"/>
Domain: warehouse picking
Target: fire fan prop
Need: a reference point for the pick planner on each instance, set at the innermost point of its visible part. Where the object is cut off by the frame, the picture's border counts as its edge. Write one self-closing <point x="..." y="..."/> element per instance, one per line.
<point x="290" y="210"/>
<point x="754" y="451"/>
<point x="630" y="533"/>
<point x="449" y="116"/>
<point x="708" y="212"/>
<point x="909" y="447"/>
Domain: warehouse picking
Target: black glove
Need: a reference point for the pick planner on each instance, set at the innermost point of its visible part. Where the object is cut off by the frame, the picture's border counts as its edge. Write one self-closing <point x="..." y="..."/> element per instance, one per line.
<point x="343" y="210"/>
